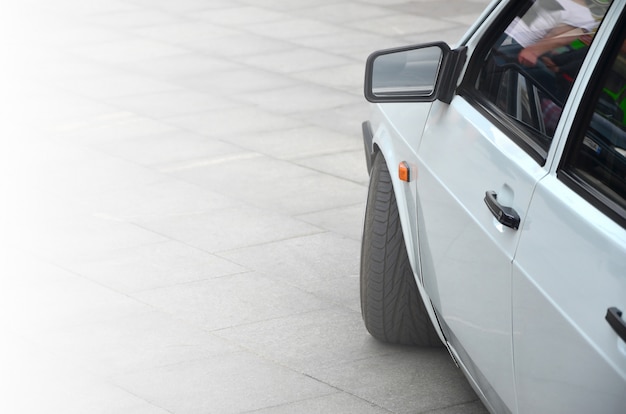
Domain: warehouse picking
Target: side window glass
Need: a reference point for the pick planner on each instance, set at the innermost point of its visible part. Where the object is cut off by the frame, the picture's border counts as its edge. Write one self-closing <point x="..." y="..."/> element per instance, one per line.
<point x="597" y="158"/>
<point x="528" y="72"/>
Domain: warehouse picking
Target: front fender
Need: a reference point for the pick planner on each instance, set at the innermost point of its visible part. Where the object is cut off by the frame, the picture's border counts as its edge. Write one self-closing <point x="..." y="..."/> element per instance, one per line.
<point x="383" y="134"/>
<point x="381" y="137"/>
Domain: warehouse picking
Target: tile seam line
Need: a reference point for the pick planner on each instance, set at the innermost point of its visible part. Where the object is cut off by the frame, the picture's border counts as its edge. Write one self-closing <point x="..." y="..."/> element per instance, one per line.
<point x="371" y="403"/>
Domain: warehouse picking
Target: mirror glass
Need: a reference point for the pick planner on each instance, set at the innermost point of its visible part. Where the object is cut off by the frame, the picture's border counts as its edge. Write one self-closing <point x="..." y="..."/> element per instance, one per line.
<point x="406" y="73"/>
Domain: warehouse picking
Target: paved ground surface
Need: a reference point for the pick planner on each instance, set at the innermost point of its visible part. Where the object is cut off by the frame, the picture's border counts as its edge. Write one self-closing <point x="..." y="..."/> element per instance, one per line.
<point x="183" y="186"/>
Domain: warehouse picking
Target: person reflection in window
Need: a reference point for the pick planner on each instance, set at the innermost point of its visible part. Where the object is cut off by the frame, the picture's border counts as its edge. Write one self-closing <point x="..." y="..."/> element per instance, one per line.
<point x="547" y="25"/>
<point x="550" y="41"/>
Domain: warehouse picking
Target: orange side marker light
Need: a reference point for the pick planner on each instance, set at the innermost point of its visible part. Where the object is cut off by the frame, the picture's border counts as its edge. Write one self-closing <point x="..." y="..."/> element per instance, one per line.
<point x="404" y="171"/>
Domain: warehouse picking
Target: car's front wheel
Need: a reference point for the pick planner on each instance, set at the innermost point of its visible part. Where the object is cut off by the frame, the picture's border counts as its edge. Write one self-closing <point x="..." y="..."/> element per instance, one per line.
<point x="391" y="305"/>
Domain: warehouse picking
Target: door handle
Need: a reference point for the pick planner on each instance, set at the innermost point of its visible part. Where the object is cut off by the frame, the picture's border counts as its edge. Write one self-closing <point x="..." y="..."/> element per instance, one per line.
<point x="504" y="215"/>
<point x="614" y="318"/>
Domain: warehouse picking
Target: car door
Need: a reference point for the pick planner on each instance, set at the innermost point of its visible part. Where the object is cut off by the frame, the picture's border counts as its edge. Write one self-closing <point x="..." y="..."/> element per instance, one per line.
<point x="569" y="276"/>
<point x="481" y="158"/>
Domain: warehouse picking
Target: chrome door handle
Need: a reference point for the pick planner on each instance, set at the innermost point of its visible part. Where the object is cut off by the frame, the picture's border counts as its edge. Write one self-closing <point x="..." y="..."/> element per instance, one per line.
<point x="614" y="318"/>
<point x="504" y="215"/>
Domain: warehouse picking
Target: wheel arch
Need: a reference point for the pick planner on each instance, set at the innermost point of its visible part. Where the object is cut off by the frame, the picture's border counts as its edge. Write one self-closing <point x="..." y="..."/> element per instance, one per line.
<point x="389" y="149"/>
<point x="408" y="222"/>
<point x="405" y="193"/>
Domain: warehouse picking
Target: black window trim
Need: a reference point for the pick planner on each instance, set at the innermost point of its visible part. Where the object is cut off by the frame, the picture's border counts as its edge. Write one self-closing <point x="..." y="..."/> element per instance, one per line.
<point x="593" y="90"/>
<point x="593" y="196"/>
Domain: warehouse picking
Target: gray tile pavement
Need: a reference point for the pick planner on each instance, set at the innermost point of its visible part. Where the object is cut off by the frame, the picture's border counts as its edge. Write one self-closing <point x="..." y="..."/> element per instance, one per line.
<point x="184" y="184"/>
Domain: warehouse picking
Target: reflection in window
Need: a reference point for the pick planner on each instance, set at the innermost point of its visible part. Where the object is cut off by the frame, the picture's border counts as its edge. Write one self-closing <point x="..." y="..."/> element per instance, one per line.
<point x="600" y="157"/>
<point x="529" y="71"/>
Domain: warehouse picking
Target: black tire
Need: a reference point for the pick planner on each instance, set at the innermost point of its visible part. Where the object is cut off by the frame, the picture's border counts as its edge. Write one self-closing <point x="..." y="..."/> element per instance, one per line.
<point x="392" y="308"/>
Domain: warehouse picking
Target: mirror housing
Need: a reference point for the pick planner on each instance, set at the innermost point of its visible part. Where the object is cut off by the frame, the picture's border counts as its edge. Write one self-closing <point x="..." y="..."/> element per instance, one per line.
<point x="420" y="73"/>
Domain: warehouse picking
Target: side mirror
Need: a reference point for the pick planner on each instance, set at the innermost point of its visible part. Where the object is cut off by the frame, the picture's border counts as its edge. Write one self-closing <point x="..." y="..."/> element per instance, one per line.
<point x="422" y="73"/>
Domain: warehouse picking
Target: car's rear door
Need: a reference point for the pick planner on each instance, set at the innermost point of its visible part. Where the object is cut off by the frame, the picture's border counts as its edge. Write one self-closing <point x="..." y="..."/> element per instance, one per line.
<point x="481" y="158"/>
<point x="569" y="278"/>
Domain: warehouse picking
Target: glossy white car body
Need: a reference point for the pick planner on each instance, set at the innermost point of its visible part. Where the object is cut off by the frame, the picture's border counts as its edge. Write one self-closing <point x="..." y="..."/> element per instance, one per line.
<point x="521" y="311"/>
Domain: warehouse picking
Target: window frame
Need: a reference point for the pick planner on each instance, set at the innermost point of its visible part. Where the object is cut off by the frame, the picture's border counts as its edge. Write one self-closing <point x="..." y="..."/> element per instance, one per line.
<point x="581" y="123"/>
<point x="523" y="137"/>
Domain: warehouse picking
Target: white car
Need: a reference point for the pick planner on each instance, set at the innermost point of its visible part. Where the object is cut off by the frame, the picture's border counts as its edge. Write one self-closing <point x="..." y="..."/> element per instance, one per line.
<point x="496" y="214"/>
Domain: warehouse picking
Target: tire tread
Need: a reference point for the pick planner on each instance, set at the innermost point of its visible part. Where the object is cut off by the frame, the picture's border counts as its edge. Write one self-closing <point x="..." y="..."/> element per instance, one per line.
<point x="391" y="305"/>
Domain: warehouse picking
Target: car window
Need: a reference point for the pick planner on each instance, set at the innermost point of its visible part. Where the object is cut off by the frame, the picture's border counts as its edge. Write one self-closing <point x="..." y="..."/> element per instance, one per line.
<point x="596" y="160"/>
<point x="525" y="73"/>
